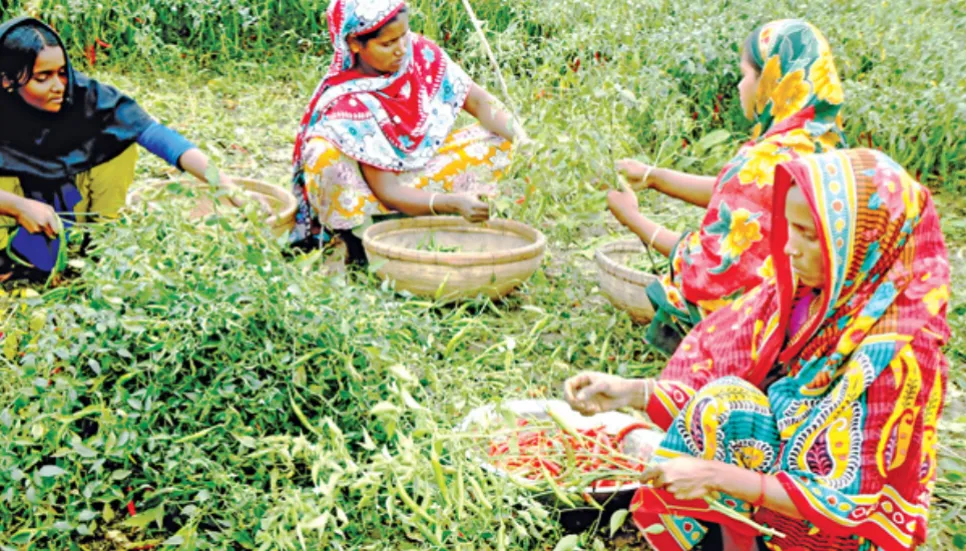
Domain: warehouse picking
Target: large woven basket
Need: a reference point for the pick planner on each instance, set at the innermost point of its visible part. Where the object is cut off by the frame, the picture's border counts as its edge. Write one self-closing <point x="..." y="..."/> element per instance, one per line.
<point x="624" y="286"/>
<point x="493" y="259"/>
<point x="283" y="203"/>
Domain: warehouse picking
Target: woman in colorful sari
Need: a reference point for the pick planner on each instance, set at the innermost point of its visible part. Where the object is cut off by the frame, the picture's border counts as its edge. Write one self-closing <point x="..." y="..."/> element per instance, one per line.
<point x="791" y="89"/>
<point x="810" y="403"/>
<point x="67" y="150"/>
<point x="377" y="137"/>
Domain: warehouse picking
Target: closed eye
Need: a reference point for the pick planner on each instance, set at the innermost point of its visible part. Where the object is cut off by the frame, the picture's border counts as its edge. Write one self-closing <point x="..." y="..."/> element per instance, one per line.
<point x="806" y="233"/>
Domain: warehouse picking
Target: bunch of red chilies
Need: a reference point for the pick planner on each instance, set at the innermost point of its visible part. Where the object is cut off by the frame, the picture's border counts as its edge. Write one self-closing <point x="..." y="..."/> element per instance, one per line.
<point x="542" y="449"/>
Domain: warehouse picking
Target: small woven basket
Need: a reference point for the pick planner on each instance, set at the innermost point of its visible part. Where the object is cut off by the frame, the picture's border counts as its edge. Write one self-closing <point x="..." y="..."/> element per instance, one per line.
<point x="282" y="201"/>
<point x="465" y="260"/>
<point x="624" y="286"/>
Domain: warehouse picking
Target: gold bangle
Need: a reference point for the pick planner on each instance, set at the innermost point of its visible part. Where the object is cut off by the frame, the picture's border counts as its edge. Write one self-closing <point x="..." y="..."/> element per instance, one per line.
<point x="432" y="198"/>
<point x="650" y="244"/>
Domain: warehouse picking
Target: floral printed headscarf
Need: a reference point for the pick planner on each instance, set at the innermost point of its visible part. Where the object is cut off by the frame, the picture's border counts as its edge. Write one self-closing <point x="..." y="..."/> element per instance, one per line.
<point x="798" y="81"/>
<point x="796" y="110"/>
<point x="394" y="122"/>
<point x="865" y="376"/>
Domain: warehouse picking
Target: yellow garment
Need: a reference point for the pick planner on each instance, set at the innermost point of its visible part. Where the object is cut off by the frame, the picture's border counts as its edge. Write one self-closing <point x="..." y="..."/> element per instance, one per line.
<point x="470" y="161"/>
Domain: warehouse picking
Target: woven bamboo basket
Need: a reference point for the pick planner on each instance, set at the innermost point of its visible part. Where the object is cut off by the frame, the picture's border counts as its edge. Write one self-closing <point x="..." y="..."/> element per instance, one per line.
<point x="624" y="286"/>
<point x="493" y="258"/>
<point x="282" y="201"/>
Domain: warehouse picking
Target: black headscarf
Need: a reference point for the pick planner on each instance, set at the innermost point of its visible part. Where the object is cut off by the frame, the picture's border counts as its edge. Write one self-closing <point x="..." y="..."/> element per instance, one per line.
<point x="95" y="124"/>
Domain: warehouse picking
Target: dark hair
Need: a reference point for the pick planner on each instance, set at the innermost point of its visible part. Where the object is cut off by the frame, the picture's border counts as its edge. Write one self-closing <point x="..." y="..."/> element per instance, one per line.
<point x="747" y="49"/>
<point x="366" y="37"/>
<point x="19" y="51"/>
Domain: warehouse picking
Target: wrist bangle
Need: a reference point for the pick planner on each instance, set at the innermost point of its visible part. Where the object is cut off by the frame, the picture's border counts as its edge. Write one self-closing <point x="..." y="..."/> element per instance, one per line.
<point x="761" y="497"/>
<point x="432" y="198"/>
<point x="650" y="244"/>
<point x="647" y="394"/>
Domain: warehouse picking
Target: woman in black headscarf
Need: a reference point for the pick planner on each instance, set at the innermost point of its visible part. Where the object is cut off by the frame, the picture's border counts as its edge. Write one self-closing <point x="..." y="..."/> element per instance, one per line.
<point x="66" y="149"/>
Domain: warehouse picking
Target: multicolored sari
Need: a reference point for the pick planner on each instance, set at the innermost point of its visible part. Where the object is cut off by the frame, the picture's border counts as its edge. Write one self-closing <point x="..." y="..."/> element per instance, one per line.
<point x="796" y="110"/>
<point x="849" y="424"/>
<point x="396" y="122"/>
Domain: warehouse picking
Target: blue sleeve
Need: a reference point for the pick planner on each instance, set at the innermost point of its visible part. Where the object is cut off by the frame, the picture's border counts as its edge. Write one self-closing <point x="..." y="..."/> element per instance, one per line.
<point x="165" y="143"/>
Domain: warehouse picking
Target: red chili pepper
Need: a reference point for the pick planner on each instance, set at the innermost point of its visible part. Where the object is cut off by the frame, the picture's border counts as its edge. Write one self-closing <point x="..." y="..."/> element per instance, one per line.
<point x="130" y="505"/>
<point x="551" y="467"/>
<point x="590" y="452"/>
<point x="102" y="44"/>
<point x="91" y="54"/>
<point x="575" y="64"/>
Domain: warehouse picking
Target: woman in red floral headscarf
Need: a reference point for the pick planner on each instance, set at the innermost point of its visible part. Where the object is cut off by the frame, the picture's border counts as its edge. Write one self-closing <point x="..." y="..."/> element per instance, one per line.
<point x="811" y="403"/>
<point x="791" y="90"/>
<point x="378" y="138"/>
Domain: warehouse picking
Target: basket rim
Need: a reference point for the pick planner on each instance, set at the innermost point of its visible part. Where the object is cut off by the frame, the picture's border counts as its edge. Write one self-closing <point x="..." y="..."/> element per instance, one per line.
<point x="284" y="217"/>
<point x="611" y="267"/>
<point x="535" y="249"/>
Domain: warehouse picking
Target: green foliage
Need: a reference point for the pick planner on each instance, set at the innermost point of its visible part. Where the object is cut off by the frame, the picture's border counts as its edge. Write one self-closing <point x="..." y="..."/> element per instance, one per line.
<point x="243" y="399"/>
<point x="903" y="78"/>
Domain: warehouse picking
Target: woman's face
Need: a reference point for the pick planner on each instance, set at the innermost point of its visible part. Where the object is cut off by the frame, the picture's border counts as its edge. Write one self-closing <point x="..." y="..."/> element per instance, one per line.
<point x="803" y="247"/>
<point x="46" y="87"/>
<point x="748" y="86"/>
<point x="384" y="53"/>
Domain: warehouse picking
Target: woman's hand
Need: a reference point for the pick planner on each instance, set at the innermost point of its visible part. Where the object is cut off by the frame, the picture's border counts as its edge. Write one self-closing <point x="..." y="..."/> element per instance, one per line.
<point x="686" y="478"/>
<point x="635" y="172"/>
<point x="592" y="392"/>
<point x="471" y="207"/>
<point x="623" y="204"/>
<point x="239" y="196"/>
<point x="36" y="217"/>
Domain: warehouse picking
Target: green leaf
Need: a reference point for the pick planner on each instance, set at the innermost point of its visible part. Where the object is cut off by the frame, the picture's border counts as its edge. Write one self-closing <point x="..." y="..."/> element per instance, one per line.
<point x="567" y="543"/>
<point x="711" y="139"/>
<point x="141" y="520"/>
<point x="51" y="471"/>
<point x="383" y="408"/>
<point x="212" y="174"/>
<point x="83" y="450"/>
<point x="120" y="474"/>
<point x="23" y="537"/>
<point x="959" y="540"/>
<point x="617" y="520"/>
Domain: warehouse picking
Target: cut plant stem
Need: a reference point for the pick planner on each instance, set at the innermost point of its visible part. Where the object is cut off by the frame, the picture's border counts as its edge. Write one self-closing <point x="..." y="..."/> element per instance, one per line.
<point x="731" y="513"/>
